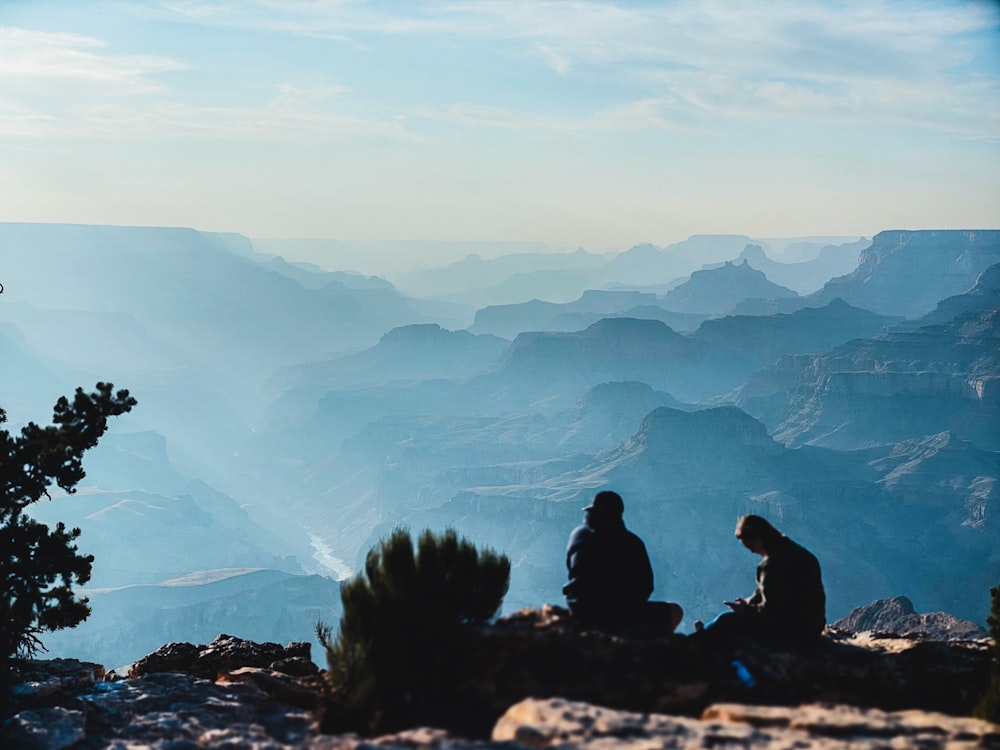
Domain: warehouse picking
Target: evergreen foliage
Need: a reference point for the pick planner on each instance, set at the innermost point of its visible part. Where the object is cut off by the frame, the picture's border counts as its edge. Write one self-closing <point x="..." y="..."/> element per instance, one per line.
<point x="989" y="705"/>
<point x="397" y="652"/>
<point x="39" y="566"/>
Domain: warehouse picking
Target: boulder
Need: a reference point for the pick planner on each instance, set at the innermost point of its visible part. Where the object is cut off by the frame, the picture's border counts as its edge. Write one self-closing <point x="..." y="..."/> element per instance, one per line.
<point x="898" y="617"/>
<point x="64" y="703"/>
<point x="224" y="654"/>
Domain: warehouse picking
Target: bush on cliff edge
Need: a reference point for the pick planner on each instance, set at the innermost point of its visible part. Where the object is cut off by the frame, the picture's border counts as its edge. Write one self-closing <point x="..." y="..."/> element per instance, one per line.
<point x="396" y="654"/>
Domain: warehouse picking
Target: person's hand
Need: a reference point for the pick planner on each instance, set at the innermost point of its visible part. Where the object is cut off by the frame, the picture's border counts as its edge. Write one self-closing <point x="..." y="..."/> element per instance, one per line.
<point x="738" y="604"/>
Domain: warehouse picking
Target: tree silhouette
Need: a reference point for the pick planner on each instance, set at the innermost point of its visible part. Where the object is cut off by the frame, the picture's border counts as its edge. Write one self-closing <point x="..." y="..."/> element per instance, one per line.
<point x="39" y="566"/>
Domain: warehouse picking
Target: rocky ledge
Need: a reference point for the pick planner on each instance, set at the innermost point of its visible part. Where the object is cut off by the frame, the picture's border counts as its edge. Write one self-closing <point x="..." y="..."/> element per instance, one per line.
<point x="897" y="615"/>
<point x="535" y="681"/>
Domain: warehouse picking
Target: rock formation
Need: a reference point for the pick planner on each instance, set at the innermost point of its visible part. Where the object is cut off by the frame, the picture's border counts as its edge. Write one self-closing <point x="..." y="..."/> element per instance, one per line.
<point x="719" y="290"/>
<point x="907" y="273"/>
<point x="554" y="366"/>
<point x="226" y="652"/>
<point x="887" y="388"/>
<point x="412" y="352"/>
<point x="763" y="339"/>
<point x="806" y="276"/>
<point x="897" y="616"/>
<point x="981" y="297"/>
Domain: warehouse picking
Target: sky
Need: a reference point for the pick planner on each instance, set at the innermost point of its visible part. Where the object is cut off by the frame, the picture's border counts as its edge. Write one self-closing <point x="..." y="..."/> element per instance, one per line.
<point x="576" y="124"/>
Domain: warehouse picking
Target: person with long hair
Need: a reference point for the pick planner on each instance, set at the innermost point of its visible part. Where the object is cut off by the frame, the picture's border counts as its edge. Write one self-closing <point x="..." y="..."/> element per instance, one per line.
<point x="789" y="603"/>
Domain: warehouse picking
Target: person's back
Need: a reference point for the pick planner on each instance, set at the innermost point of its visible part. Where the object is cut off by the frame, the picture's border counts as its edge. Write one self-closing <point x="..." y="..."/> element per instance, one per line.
<point x="794" y="601"/>
<point x="610" y="576"/>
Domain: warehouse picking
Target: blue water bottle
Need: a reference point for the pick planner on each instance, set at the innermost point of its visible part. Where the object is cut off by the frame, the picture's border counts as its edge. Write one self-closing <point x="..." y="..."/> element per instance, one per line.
<point x="743" y="673"/>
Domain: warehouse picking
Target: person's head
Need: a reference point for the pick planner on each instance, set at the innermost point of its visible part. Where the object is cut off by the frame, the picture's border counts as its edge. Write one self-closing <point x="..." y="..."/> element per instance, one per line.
<point x="606" y="508"/>
<point x="756" y="534"/>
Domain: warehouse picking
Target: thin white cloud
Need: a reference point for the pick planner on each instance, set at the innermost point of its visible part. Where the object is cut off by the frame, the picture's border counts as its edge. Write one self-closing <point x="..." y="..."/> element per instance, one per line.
<point x="811" y="59"/>
<point x="965" y="109"/>
<point x="609" y="32"/>
<point x="35" y="56"/>
<point x="279" y="123"/>
<point x="296" y="98"/>
<point x="687" y="64"/>
<point x="645" y="114"/>
<point x="555" y="60"/>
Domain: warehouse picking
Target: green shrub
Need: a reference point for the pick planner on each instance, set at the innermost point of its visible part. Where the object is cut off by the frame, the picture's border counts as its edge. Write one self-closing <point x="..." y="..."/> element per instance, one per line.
<point x="397" y="652"/>
<point x="39" y="566"/>
<point x="989" y="705"/>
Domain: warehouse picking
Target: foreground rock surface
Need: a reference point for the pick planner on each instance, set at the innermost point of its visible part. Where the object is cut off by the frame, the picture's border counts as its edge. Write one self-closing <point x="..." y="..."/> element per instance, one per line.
<point x="231" y="693"/>
<point x="601" y="690"/>
<point x="559" y="723"/>
<point x="543" y="653"/>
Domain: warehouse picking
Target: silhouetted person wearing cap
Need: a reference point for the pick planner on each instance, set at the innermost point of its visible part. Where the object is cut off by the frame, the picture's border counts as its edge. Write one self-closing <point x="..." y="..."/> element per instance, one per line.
<point x="789" y="604"/>
<point x="610" y="578"/>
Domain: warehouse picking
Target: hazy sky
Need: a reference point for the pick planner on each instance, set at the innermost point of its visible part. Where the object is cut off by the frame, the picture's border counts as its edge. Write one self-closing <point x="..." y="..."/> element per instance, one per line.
<point x="595" y="124"/>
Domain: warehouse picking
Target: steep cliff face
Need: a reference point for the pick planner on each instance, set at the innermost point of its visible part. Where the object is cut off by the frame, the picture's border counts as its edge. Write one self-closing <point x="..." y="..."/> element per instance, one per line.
<point x="888" y="388"/>
<point x="941" y="467"/>
<point x="981" y="297"/>
<point x="906" y="273"/>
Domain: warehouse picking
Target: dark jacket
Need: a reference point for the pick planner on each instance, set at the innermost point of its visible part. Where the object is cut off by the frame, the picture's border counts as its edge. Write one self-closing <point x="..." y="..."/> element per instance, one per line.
<point x="610" y="577"/>
<point x="790" y="598"/>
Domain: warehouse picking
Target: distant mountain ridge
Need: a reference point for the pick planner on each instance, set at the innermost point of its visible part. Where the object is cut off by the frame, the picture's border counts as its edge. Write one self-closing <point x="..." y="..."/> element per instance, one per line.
<point x="537" y="315"/>
<point x="415" y="352"/>
<point x="646" y="262"/>
<point x="806" y="276"/>
<point x="173" y="281"/>
<point x="719" y="290"/>
<point x="474" y="272"/>
<point x="617" y="349"/>
<point x="715" y="290"/>
<point x="593" y="305"/>
<point x="763" y="339"/>
<point x="907" y="273"/>
<point x="561" y="277"/>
